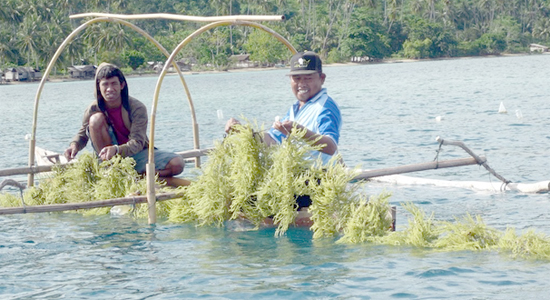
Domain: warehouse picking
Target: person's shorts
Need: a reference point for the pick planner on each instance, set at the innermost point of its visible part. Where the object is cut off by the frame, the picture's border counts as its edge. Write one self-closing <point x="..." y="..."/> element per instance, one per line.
<point x="162" y="158"/>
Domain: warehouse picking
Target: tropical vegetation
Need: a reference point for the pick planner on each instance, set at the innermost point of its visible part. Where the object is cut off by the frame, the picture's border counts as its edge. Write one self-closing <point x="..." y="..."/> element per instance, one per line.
<point x="32" y="30"/>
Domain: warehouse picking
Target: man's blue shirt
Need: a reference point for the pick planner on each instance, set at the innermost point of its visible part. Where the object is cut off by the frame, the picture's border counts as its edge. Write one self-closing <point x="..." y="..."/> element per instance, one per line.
<point x="320" y="114"/>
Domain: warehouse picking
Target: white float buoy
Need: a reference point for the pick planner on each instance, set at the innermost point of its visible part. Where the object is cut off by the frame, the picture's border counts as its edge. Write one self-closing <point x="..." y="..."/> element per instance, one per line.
<point x="519" y="114"/>
<point x="438" y="118"/>
<point x="502" y="109"/>
<point x="220" y="114"/>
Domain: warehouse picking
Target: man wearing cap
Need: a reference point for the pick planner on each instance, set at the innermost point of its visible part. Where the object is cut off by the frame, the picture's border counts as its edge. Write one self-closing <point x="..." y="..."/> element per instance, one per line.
<point x="314" y="110"/>
<point x="117" y="124"/>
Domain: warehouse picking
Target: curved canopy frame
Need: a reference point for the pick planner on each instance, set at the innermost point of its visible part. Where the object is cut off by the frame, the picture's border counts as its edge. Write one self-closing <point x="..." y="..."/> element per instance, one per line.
<point x="216" y="22"/>
<point x="151" y="198"/>
<point x="32" y="142"/>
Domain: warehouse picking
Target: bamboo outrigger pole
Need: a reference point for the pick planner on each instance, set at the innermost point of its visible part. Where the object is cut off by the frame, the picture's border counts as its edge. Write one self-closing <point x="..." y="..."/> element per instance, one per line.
<point x="84" y="205"/>
<point x="366" y="174"/>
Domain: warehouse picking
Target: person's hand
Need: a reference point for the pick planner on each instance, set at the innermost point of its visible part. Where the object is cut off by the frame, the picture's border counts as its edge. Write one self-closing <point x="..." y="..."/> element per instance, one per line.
<point x="108" y="152"/>
<point x="285" y="127"/>
<point x="230" y="123"/>
<point x="71" y="152"/>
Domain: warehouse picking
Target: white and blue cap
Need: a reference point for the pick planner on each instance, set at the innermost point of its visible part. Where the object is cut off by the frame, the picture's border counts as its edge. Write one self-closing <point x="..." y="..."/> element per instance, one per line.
<point x="303" y="63"/>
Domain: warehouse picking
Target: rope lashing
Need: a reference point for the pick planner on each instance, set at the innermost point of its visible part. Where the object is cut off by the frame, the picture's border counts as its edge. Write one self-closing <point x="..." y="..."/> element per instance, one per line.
<point x="436" y="158"/>
<point x="133" y="204"/>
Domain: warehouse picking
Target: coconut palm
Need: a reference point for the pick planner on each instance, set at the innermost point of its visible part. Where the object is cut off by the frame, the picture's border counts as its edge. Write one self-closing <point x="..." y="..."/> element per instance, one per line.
<point x="7" y="49"/>
<point x="27" y="37"/>
<point x="10" y="12"/>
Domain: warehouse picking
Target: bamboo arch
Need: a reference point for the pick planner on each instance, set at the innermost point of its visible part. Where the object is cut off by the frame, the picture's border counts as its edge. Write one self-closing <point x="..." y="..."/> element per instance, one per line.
<point x="68" y="39"/>
<point x="150" y="169"/>
<point x="100" y="17"/>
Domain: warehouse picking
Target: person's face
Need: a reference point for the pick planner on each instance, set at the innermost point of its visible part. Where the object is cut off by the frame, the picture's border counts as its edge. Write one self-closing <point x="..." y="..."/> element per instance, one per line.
<point x="306" y="86"/>
<point x="110" y="89"/>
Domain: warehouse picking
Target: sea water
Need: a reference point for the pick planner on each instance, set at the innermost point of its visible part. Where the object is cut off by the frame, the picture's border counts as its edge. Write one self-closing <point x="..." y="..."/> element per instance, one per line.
<point x="392" y="114"/>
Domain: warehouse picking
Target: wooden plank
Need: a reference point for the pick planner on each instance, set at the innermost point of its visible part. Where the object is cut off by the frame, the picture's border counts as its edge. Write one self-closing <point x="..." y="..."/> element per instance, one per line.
<point x="46" y="157"/>
<point x="25" y="170"/>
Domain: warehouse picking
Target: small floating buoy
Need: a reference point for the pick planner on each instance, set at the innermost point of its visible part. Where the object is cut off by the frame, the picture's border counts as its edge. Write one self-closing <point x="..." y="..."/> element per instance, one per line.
<point x="438" y="118"/>
<point x="502" y="109"/>
<point x="519" y="115"/>
<point x="220" y="114"/>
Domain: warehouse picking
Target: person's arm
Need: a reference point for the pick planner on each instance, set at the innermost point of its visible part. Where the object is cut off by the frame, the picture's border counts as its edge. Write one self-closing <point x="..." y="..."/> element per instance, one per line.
<point x="286" y="127"/>
<point x="71" y="152"/>
<point x="232" y="122"/>
<point x="108" y="152"/>
<point x="80" y="140"/>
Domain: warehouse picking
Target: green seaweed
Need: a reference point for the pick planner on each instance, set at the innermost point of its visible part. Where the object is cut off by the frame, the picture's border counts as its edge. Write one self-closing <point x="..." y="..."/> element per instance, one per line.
<point x="420" y="232"/>
<point x="529" y="245"/>
<point x="368" y="220"/>
<point x="243" y="178"/>
<point x="86" y="180"/>
<point x="466" y="234"/>
<point x="288" y="176"/>
<point x="333" y="199"/>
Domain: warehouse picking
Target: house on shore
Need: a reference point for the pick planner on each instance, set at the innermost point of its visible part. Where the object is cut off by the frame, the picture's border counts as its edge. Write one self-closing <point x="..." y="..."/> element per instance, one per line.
<point x="184" y="65"/>
<point x="538" y="48"/>
<point x="22" y="74"/>
<point x="242" y="61"/>
<point x="361" y="59"/>
<point x="82" y="71"/>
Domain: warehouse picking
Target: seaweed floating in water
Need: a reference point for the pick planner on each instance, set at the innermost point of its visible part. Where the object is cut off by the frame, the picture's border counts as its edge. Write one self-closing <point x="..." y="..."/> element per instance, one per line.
<point x="244" y="178"/>
<point x="468" y="233"/>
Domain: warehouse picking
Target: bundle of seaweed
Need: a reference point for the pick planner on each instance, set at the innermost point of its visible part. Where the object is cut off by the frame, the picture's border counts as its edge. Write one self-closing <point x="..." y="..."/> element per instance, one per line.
<point x="246" y="179"/>
<point x="87" y="179"/>
<point x="466" y="233"/>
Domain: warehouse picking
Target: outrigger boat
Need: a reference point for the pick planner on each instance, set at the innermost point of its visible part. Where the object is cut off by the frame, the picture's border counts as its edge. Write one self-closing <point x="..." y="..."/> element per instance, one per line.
<point x="42" y="160"/>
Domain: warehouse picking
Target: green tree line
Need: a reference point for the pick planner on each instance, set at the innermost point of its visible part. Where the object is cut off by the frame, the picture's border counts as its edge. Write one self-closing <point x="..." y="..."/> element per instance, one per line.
<point x="32" y="30"/>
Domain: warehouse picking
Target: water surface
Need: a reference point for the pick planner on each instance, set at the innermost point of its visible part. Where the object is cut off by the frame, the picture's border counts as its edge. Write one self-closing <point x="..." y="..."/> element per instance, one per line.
<point x="389" y="113"/>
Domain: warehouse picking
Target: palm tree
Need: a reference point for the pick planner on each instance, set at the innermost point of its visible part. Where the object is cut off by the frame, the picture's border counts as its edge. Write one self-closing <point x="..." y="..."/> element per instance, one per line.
<point x="113" y="38"/>
<point x="7" y="49"/>
<point x="28" y="35"/>
<point x="10" y="13"/>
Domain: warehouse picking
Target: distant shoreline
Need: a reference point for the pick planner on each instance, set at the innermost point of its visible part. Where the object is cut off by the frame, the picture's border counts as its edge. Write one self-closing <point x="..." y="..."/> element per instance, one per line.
<point x="53" y="79"/>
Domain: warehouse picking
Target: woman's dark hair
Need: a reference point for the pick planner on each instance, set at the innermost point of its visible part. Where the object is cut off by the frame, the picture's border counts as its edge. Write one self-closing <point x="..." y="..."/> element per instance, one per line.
<point x="108" y="72"/>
